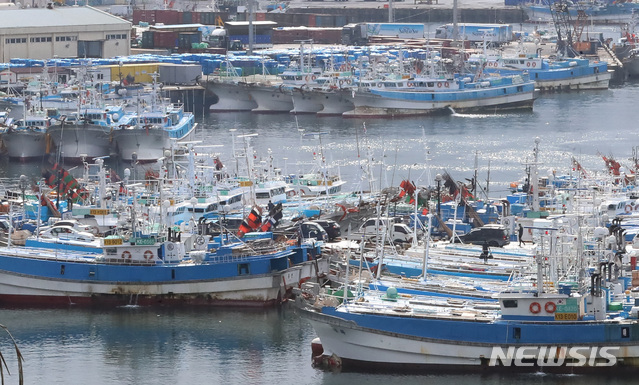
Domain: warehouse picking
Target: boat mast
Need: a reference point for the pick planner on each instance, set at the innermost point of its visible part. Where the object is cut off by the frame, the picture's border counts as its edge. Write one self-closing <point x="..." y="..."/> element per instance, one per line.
<point x="535" y="177"/>
<point x="455" y="18"/>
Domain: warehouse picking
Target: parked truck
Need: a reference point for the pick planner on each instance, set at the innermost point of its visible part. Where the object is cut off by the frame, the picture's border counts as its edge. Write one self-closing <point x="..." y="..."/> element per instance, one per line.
<point x="396" y="231"/>
<point x="360" y="33"/>
<point x="477" y="32"/>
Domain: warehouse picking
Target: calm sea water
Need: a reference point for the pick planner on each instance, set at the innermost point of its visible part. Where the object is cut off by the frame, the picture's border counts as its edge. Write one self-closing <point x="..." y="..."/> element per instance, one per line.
<point x="204" y="346"/>
<point x="213" y="346"/>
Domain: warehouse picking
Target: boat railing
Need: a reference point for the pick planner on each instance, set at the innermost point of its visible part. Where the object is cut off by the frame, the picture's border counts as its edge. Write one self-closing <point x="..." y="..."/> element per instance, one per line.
<point x="245" y="255"/>
<point x="50" y="254"/>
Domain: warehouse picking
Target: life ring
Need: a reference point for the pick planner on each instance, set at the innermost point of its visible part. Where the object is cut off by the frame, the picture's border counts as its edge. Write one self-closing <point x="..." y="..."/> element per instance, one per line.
<point x="313" y="77"/>
<point x="148" y="255"/>
<point x="307" y="78"/>
<point x="291" y="193"/>
<point x="46" y="93"/>
<point x="200" y="240"/>
<point x="535" y="307"/>
<point x="550" y="307"/>
<point x="529" y="231"/>
<point x="348" y="81"/>
<point x="409" y="84"/>
<point x="126" y="255"/>
<point x="528" y="64"/>
<point x="341" y="82"/>
<point x="54" y="91"/>
<point x="439" y="84"/>
<point x="446" y="84"/>
<point x="534" y="64"/>
<point x="628" y="208"/>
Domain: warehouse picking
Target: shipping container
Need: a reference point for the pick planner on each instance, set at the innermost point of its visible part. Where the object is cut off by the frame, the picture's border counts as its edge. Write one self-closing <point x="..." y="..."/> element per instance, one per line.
<point x="134" y="73"/>
<point x="290" y="35"/>
<point x="187" y="74"/>
<point x="187" y="18"/>
<point x="186" y="40"/>
<point x="147" y="16"/>
<point x="148" y="39"/>
<point x="324" y="21"/>
<point x="165" y="39"/>
<point x="340" y="20"/>
<point x="325" y="35"/>
<point x="167" y="17"/>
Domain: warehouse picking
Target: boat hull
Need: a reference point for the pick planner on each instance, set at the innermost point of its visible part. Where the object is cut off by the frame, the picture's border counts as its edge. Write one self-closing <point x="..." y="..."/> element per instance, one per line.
<point x="81" y="141"/>
<point x="598" y="81"/>
<point x="148" y="145"/>
<point x="51" y="282"/>
<point x="395" y="342"/>
<point x="232" y="96"/>
<point x="335" y="103"/>
<point x="25" y="144"/>
<point x="305" y="102"/>
<point x="271" y="99"/>
<point x="631" y="65"/>
<point x="397" y="103"/>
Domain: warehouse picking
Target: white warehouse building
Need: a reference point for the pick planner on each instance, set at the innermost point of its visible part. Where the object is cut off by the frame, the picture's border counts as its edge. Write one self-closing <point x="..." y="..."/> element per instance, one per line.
<point x="64" y="32"/>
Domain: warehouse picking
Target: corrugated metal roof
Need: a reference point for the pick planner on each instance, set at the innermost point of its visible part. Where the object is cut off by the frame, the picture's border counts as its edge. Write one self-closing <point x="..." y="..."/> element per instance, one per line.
<point x="255" y="22"/>
<point x="57" y="17"/>
<point x="175" y="26"/>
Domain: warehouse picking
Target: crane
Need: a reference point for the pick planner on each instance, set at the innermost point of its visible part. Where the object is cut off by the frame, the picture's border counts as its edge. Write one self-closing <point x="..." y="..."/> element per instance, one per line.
<point x="561" y="18"/>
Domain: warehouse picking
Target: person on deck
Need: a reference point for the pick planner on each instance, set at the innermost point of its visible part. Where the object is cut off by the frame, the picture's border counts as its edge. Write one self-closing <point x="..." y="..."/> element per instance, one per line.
<point x="521" y="234"/>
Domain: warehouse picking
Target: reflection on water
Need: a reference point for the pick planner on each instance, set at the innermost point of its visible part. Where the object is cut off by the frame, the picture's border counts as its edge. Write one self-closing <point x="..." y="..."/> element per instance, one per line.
<point x="188" y="346"/>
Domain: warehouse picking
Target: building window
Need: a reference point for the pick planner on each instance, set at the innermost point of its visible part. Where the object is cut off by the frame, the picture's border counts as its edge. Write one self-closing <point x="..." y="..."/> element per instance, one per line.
<point x="40" y="39"/>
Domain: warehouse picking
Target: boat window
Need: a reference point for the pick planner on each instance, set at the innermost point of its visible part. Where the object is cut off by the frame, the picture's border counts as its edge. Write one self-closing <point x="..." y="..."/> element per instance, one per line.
<point x="431" y="84"/>
<point x="516" y="333"/>
<point x="510" y="303"/>
<point x="243" y="269"/>
<point x="212" y="207"/>
<point x="262" y="195"/>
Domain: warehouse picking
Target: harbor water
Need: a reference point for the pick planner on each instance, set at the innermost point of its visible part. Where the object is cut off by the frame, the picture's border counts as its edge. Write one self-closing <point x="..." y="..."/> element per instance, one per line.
<point x="136" y="345"/>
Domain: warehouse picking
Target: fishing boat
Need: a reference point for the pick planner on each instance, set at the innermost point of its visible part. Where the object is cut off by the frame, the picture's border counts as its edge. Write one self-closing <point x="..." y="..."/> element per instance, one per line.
<point x="27" y="138"/>
<point x="432" y="96"/>
<point x="156" y="271"/>
<point x="232" y="95"/>
<point x="550" y="75"/>
<point x="86" y="133"/>
<point x="564" y="331"/>
<point x="597" y="11"/>
<point x="146" y="136"/>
